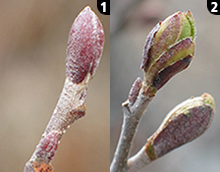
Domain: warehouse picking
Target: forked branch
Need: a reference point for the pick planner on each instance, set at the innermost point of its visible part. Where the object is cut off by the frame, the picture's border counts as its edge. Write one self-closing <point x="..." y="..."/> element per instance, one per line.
<point x="168" y="50"/>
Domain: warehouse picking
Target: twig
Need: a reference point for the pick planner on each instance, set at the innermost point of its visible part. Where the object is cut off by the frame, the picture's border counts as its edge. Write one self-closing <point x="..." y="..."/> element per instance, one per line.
<point x="168" y="50"/>
<point x="133" y="110"/>
<point x="85" y="45"/>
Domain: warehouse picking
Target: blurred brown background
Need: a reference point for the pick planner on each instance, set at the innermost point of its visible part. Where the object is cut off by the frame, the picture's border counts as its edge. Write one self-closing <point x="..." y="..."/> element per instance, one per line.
<point x="33" y="39"/>
<point x="136" y="20"/>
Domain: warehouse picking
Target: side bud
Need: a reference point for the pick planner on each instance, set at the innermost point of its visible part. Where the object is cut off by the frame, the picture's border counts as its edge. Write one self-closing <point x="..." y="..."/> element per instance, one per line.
<point x="184" y="123"/>
<point x="169" y="49"/>
<point x="133" y="94"/>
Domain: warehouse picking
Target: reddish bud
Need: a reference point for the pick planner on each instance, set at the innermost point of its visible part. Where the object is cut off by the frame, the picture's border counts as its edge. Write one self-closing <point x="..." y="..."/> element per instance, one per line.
<point x="184" y="123"/>
<point x="47" y="147"/>
<point x="44" y="153"/>
<point x="133" y="94"/>
<point x="85" y="45"/>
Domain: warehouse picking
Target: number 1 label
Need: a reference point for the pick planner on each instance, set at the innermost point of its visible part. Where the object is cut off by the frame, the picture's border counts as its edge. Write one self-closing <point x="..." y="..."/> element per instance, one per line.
<point x="104" y="7"/>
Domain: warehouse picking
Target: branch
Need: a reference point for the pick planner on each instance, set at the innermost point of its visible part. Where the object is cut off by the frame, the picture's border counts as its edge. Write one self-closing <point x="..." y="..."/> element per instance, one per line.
<point x="84" y="49"/>
<point x="168" y="50"/>
<point x="133" y="109"/>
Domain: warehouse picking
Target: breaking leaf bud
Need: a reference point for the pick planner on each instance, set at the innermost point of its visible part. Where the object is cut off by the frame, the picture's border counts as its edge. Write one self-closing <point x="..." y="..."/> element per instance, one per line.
<point x="184" y="123"/>
<point x="169" y="49"/>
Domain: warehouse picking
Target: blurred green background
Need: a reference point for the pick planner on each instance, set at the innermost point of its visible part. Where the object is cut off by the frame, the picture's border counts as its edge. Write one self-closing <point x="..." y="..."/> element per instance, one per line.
<point x="136" y="19"/>
<point x="33" y="39"/>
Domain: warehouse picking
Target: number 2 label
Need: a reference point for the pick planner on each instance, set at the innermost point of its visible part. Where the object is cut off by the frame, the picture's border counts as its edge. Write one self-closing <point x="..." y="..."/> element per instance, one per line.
<point x="213" y="6"/>
<point x="214" y="10"/>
